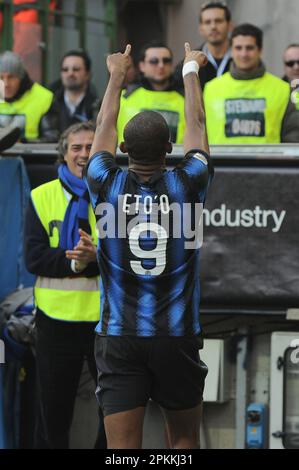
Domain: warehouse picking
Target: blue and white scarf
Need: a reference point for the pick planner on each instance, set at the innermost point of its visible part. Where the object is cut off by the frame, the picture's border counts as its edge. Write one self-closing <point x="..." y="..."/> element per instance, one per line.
<point x="76" y="215"/>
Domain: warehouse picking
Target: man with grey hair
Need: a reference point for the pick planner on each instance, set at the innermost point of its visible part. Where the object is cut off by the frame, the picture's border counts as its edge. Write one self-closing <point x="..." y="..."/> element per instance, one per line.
<point x="66" y="293"/>
<point x="25" y="104"/>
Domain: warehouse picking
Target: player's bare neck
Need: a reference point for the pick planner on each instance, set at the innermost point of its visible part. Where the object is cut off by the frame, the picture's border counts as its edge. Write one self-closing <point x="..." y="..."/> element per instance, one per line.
<point x="145" y="172"/>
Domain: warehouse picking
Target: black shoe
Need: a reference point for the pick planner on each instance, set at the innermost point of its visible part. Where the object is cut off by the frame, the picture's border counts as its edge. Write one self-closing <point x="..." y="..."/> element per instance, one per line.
<point x="8" y="137"/>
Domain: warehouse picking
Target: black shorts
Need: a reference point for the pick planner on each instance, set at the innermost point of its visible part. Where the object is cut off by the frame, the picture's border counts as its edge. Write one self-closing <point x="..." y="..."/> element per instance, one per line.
<point x="132" y="370"/>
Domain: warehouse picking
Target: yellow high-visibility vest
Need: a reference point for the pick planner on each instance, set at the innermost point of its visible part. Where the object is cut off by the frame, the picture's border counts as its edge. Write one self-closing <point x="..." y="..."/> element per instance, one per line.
<point x="28" y="110"/>
<point x="170" y="104"/>
<point x="70" y="299"/>
<point x="245" y="111"/>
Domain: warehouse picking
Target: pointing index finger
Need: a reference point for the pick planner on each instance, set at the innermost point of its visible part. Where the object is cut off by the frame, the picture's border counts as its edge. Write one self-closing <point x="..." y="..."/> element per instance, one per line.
<point x="128" y="50"/>
<point x="187" y="47"/>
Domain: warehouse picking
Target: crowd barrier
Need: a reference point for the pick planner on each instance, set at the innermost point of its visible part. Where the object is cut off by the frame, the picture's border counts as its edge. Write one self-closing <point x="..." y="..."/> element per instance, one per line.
<point x="14" y="195"/>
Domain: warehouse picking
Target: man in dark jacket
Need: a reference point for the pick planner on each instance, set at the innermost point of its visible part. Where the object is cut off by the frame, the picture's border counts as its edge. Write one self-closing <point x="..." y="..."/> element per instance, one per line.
<point x="214" y="26"/>
<point x="75" y="99"/>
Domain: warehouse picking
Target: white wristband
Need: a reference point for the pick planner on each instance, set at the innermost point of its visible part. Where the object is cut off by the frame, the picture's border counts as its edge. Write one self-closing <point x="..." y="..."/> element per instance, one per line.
<point x="190" y="67"/>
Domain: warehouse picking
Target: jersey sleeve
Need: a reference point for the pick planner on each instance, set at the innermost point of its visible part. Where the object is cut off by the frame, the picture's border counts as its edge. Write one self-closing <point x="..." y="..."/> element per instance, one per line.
<point x="196" y="171"/>
<point x="99" y="173"/>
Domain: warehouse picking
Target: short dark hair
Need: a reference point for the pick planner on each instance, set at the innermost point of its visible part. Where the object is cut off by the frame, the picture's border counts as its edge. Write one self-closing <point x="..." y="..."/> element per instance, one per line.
<point x="74" y="129"/>
<point x="148" y="45"/>
<point x="210" y="5"/>
<point x="146" y="136"/>
<point x="248" y="29"/>
<point x="78" y="53"/>
<point x="292" y="45"/>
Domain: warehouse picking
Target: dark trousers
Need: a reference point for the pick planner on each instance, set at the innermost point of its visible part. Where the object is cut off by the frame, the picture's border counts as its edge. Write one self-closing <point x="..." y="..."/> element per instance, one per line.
<point x="61" y="348"/>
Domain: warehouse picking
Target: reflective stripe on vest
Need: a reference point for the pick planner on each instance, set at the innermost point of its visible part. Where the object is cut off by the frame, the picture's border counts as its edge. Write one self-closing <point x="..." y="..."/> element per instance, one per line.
<point x="68" y="299"/>
<point x="245" y="111"/>
<point x="168" y="103"/>
<point x="69" y="283"/>
<point x="28" y="110"/>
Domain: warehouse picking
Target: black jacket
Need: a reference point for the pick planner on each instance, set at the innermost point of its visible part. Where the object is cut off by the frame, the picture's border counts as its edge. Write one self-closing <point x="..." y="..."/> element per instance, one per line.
<point x="48" y="132"/>
<point x="206" y="74"/>
<point x="85" y="111"/>
<point x="41" y="259"/>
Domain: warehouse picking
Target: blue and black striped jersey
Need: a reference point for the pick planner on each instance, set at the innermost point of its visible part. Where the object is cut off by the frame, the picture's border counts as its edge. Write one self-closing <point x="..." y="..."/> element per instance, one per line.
<point x="149" y="263"/>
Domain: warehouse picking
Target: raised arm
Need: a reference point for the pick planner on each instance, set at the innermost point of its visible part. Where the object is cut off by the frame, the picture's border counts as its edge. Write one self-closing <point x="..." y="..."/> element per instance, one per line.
<point x="105" y="138"/>
<point x="195" y="133"/>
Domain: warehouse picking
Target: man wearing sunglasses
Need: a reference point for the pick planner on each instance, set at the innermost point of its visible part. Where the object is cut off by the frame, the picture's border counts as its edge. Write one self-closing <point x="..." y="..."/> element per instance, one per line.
<point x="214" y="26"/>
<point x="291" y="68"/>
<point x="75" y="98"/>
<point x="248" y="105"/>
<point x="155" y="91"/>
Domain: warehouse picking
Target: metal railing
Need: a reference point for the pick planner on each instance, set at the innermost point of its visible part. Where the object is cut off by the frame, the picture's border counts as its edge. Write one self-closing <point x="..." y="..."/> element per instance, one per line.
<point x="8" y="9"/>
<point x="260" y="154"/>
